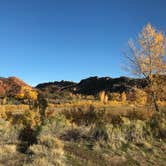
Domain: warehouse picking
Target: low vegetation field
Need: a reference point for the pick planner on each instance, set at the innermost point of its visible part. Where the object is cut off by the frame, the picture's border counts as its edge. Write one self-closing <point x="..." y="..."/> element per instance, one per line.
<point x="83" y="133"/>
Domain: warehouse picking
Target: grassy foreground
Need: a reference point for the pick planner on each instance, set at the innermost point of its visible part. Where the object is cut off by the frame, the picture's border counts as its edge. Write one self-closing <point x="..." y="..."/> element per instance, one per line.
<point x="82" y="134"/>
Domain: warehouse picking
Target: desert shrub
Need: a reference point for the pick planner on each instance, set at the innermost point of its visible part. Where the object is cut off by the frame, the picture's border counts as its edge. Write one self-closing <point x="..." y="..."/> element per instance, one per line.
<point x="28" y="137"/>
<point x="114" y="119"/>
<point x="42" y="161"/>
<point x="32" y="128"/>
<point x="48" y="150"/>
<point x="139" y="114"/>
<point x="41" y="105"/>
<point x="137" y="131"/>
<point x="131" y="131"/>
<point x="74" y="115"/>
<point x="30" y="119"/>
<point x="92" y="116"/>
<point x="99" y="132"/>
<point x="138" y="96"/>
<point x="76" y="134"/>
<point x="84" y="115"/>
<point x="158" y="125"/>
<point x="114" y="96"/>
<point x="108" y="117"/>
<point x="50" y="141"/>
<point x="56" y="125"/>
<point x="120" y="130"/>
<point x="8" y="133"/>
<point x="72" y="135"/>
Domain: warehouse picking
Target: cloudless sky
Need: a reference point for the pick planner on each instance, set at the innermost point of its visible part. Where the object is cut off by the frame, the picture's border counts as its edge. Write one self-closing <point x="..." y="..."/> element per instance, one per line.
<point x="46" y="40"/>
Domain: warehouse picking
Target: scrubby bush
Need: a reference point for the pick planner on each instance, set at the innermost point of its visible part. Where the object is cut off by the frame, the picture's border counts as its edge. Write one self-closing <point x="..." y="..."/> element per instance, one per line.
<point x="158" y="125"/>
<point x="99" y="132"/>
<point x="138" y="96"/>
<point x="48" y="151"/>
<point x="84" y="115"/>
<point x="115" y="96"/>
<point x="139" y="114"/>
<point x="8" y="132"/>
<point x="55" y="126"/>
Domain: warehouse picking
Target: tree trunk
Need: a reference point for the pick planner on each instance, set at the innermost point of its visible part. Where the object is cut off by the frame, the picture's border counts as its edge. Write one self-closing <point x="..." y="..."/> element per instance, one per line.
<point x="155" y="102"/>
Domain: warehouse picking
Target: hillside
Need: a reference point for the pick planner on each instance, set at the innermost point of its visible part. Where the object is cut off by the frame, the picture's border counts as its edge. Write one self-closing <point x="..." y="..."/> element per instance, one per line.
<point x="56" y="86"/>
<point x="93" y="85"/>
<point x="11" y="86"/>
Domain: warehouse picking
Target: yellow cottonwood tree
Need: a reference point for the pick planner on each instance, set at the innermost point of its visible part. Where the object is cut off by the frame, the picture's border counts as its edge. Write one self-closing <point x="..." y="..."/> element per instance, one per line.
<point x="123" y="97"/>
<point x="103" y="97"/>
<point x="27" y="93"/>
<point x="147" y="59"/>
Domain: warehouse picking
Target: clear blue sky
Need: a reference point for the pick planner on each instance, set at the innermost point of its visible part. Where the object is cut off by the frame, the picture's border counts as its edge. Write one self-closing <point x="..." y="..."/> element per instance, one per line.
<point x="46" y="40"/>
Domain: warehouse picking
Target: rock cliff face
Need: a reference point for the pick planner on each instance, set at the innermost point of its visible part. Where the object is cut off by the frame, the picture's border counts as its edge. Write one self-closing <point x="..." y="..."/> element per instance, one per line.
<point x="93" y="85"/>
<point x="11" y="86"/>
<point x="56" y="86"/>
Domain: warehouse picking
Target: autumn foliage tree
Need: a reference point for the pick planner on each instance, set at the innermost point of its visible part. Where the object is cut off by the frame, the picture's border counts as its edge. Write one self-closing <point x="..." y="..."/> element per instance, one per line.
<point x="138" y="96"/>
<point x="115" y="96"/>
<point x="27" y="94"/>
<point x="123" y="97"/>
<point x="147" y="59"/>
<point x="103" y="97"/>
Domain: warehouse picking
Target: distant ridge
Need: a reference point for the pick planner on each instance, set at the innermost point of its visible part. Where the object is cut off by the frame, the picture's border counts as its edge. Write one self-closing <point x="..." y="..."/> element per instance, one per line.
<point x="90" y="86"/>
<point x="93" y="85"/>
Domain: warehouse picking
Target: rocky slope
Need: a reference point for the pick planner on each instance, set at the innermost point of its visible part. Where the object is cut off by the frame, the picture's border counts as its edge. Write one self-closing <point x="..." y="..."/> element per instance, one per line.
<point x="11" y="86"/>
<point x="93" y="85"/>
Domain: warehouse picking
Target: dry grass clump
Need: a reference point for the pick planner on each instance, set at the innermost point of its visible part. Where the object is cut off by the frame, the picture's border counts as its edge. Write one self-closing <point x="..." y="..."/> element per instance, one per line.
<point x="8" y="133"/>
<point x="158" y="124"/>
<point x="139" y="114"/>
<point x="56" y="125"/>
<point x="86" y="115"/>
<point x="7" y="149"/>
<point x="50" y="142"/>
<point x="49" y="150"/>
<point x="42" y="161"/>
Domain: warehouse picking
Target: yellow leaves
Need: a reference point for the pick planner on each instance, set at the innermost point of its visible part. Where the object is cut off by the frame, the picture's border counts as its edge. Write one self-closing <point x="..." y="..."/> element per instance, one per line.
<point x="148" y="29"/>
<point x="115" y="96"/>
<point x="20" y="95"/>
<point x="30" y="118"/>
<point x="31" y="94"/>
<point x="152" y="41"/>
<point x="123" y="97"/>
<point x="159" y="38"/>
<point x="27" y="93"/>
<point x="148" y="58"/>
<point x="139" y="96"/>
<point x="103" y="97"/>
